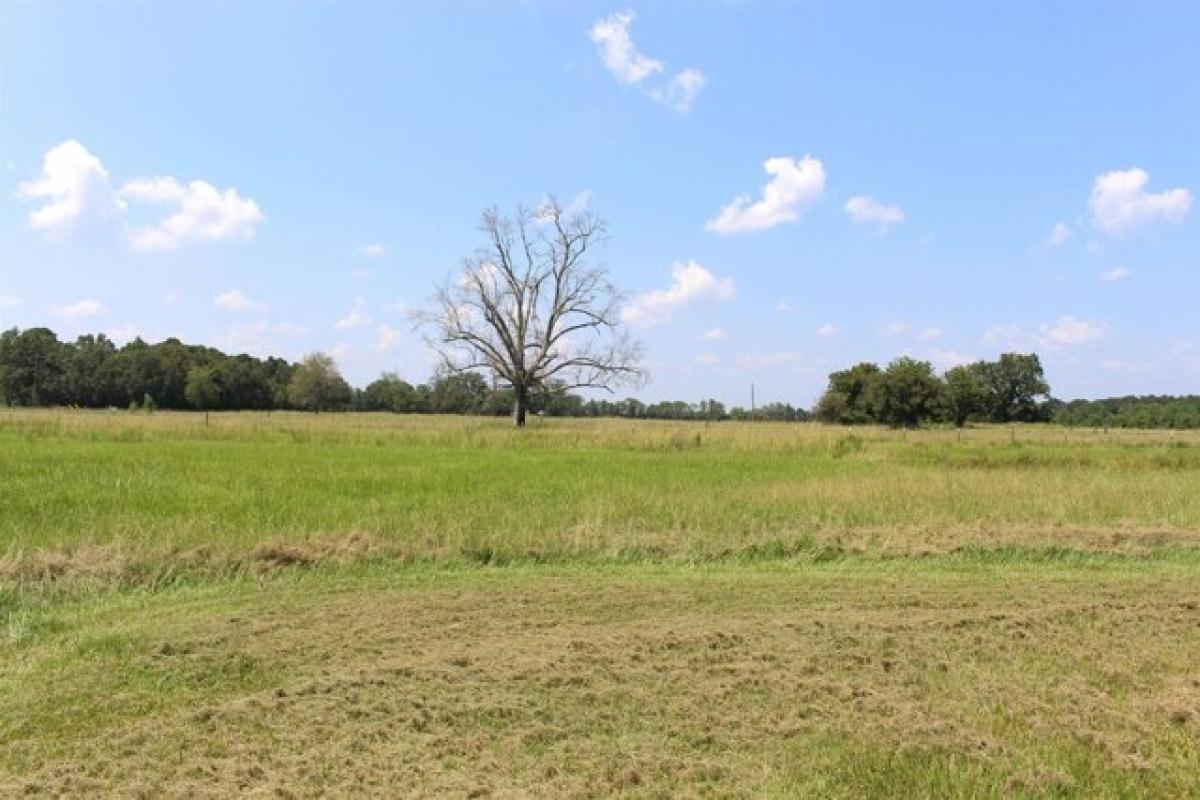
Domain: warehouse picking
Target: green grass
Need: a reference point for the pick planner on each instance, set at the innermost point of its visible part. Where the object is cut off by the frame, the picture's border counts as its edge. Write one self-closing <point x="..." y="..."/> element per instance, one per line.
<point x="370" y="604"/>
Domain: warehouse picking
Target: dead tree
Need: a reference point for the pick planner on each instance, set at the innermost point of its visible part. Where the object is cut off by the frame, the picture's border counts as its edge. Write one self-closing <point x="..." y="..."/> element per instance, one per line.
<point x="530" y="309"/>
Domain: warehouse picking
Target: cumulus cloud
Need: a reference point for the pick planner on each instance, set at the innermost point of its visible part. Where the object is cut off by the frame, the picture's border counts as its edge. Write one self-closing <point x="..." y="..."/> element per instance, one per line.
<point x="203" y="213"/>
<point x="259" y="337"/>
<point x="74" y="189"/>
<point x="948" y="359"/>
<point x="357" y="318"/>
<point x="895" y="327"/>
<point x="9" y="301"/>
<point x="78" y="195"/>
<point x="793" y="185"/>
<point x="929" y="334"/>
<point x="1060" y="234"/>
<point x="679" y="93"/>
<point x="713" y="334"/>
<point x="826" y="330"/>
<point x="82" y="308"/>
<point x="690" y="282"/>
<point x="373" y="251"/>
<point x="1121" y="204"/>
<point x="632" y="67"/>
<point x="234" y="300"/>
<point x="387" y="337"/>
<point x="706" y="359"/>
<point x="122" y="333"/>
<point x="865" y="211"/>
<point x="1115" y="274"/>
<point x="1068" y="332"/>
<point x="620" y="55"/>
<point x="1002" y="332"/>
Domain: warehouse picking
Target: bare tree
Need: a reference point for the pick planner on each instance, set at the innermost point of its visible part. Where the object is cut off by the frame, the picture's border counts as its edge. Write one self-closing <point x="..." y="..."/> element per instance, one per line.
<point x="530" y="309"/>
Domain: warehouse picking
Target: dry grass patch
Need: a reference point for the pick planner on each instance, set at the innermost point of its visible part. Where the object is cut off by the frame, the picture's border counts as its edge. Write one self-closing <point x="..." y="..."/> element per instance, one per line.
<point x="839" y="681"/>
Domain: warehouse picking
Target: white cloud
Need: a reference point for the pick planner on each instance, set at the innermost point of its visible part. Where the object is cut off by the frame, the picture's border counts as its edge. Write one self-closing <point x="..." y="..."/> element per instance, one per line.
<point x="690" y="282"/>
<point x="864" y="210"/>
<point x="76" y="191"/>
<point x="9" y="301"/>
<point x="83" y="308"/>
<point x="341" y="350"/>
<point x="373" y="251"/>
<point x="707" y="359"/>
<point x="387" y="337"/>
<point x="620" y="56"/>
<point x="203" y="213"/>
<point x="79" y="196"/>
<point x="783" y="307"/>
<point x="1115" y="274"/>
<point x="895" y="327"/>
<point x="1120" y="202"/>
<point x="170" y="297"/>
<point x="122" y="334"/>
<point x="766" y="360"/>
<point x="793" y="185"/>
<point x="1003" y="332"/>
<point x="948" y="359"/>
<point x="357" y="318"/>
<point x="259" y="337"/>
<point x="1068" y="331"/>
<point x="234" y="300"/>
<point x="1061" y="233"/>
<point x="713" y="334"/>
<point x="826" y="330"/>
<point x="631" y="67"/>
<point x="929" y="334"/>
<point x="680" y="92"/>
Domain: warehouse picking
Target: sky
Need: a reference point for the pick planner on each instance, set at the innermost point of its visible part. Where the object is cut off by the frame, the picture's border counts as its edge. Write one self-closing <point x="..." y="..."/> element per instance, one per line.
<point x="789" y="188"/>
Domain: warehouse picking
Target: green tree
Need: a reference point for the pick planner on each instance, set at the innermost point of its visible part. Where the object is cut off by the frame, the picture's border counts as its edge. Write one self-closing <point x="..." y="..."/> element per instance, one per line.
<point x="388" y="393"/>
<point x="906" y="394"/>
<point x="33" y="368"/>
<point x="965" y="396"/>
<point x="202" y="390"/>
<point x="317" y="384"/>
<point x="844" y="400"/>
<point x="1015" y="387"/>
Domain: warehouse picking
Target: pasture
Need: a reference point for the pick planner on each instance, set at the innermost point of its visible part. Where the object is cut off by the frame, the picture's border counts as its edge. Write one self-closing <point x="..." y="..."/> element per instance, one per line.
<point x="301" y="604"/>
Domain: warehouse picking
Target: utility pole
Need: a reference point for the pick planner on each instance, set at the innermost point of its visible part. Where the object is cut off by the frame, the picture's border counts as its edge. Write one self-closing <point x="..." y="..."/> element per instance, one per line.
<point x="751" y="401"/>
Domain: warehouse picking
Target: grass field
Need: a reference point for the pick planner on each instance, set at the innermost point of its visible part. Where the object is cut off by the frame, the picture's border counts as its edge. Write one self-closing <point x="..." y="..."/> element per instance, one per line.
<point x="370" y="604"/>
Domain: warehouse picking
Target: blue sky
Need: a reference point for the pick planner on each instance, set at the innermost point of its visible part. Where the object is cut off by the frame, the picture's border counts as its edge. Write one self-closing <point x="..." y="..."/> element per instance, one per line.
<point x="790" y="188"/>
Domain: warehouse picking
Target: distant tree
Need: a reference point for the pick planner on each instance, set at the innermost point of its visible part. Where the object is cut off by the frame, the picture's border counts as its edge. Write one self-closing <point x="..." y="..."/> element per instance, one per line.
<point x="202" y="390"/>
<point x="33" y="368"/>
<point x="964" y="393"/>
<point x="459" y="393"/>
<point x="317" y="384"/>
<point x="87" y="371"/>
<point x="529" y="309"/>
<point x="1014" y="387"/>
<point x="388" y="393"/>
<point x="844" y="401"/>
<point x="906" y="394"/>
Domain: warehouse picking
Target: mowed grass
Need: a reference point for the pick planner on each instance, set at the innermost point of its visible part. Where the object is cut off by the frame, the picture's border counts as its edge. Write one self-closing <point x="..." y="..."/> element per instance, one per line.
<point x="347" y="605"/>
<point x="851" y="679"/>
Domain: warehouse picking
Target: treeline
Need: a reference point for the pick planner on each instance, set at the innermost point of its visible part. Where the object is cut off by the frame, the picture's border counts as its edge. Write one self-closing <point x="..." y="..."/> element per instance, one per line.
<point x="37" y="369"/>
<point x="908" y="393"/>
<point x="1148" y="411"/>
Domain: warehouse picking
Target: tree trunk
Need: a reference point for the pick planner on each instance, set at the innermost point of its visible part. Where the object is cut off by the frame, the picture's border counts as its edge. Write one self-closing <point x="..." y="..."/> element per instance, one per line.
<point x="520" y="402"/>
